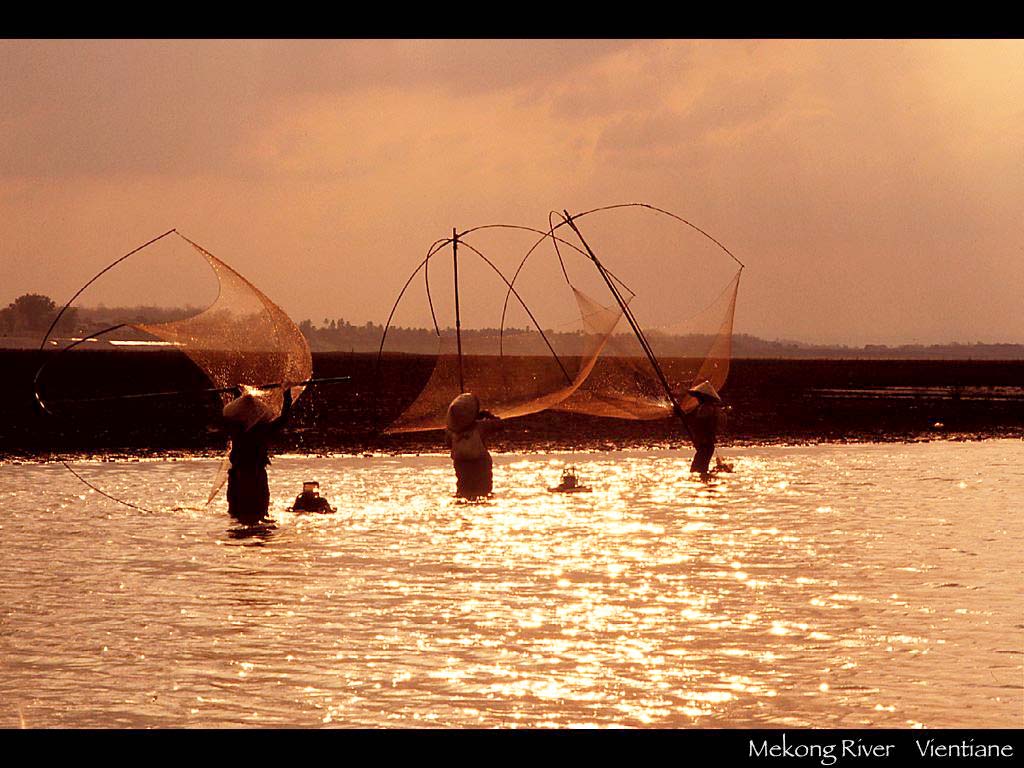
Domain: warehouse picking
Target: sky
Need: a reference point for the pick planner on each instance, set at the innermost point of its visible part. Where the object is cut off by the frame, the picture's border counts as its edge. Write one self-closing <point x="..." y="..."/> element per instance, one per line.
<point x="872" y="188"/>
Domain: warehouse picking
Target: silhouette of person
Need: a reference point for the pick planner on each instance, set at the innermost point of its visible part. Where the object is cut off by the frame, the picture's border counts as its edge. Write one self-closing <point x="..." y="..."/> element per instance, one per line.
<point x="310" y="499"/>
<point x="704" y="423"/>
<point x="466" y="432"/>
<point x="251" y="425"/>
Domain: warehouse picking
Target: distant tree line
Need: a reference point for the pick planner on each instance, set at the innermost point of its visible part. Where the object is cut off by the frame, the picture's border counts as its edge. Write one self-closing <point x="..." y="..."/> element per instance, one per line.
<point x="31" y="314"/>
<point x="340" y="335"/>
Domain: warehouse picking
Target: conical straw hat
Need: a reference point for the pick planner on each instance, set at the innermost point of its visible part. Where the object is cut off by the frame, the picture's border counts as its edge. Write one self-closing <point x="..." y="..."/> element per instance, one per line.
<point x="249" y="409"/>
<point x="463" y="412"/>
<point x="704" y="389"/>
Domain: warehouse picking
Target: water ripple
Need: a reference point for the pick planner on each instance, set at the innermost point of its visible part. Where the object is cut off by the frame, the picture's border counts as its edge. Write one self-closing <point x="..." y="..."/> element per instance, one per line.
<point x="829" y="586"/>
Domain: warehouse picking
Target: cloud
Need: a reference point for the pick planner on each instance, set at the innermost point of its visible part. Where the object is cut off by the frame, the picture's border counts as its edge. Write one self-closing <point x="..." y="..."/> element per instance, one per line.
<point x="464" y="68"/>
<point x="135" y="106"/>
<point x="875" y="181"/>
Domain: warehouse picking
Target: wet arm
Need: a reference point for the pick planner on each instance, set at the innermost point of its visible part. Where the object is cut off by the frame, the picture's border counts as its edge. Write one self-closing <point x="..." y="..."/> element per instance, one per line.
<point x="281" y="420"/>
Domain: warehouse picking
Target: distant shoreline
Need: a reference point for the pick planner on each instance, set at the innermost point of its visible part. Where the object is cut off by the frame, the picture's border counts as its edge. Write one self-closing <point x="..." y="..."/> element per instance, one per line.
<point x="744" y="347"/>
<point x="772" y="401"/>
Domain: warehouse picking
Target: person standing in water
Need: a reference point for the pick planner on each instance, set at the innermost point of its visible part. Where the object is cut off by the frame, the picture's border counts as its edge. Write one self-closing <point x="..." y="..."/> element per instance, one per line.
<point x="466" y="432"/>
<point x="251" y="424"/>
<point x="704" y="423"/>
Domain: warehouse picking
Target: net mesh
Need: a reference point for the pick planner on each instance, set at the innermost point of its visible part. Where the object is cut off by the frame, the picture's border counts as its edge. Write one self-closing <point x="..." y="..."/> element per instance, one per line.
<point x="625" y="384"/>
<point x="243" y="338"/>
<point x="515" y="373"/>
<point x="135" y="336"/>
<point x="673" y="268"/>
<point x="518" y="358"/>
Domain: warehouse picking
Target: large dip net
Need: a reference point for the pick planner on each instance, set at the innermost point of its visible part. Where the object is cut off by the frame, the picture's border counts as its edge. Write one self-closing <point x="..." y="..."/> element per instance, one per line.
<point x="155" y="345"/>
<point x="677" y="287"/>
<point x="521" y="349"/>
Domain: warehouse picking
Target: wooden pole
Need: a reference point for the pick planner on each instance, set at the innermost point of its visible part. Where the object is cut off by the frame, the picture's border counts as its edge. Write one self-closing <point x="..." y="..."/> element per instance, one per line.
<point x="210" y="390"/>
<point x="458" y="323"/>
<point x="633" y="324"/>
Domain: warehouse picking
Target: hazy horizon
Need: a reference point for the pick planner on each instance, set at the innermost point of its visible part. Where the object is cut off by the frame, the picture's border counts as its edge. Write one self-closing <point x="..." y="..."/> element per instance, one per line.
<point x="870" y="187"/>
<point x="319" y="324"/>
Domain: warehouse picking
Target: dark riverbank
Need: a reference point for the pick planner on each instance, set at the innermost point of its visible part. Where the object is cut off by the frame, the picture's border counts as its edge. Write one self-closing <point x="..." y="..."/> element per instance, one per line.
<point x="772" y="400"/>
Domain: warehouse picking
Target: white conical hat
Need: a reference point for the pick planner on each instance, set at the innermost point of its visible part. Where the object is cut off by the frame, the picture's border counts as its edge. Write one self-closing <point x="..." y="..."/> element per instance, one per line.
<point x="704" y="389"/>
<point x="463" y="412"/>
<point x="250" y="409"/>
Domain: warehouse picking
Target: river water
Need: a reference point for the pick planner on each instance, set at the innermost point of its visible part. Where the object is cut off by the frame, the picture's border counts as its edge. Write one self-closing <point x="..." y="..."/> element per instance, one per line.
<point x="859" y="585"/>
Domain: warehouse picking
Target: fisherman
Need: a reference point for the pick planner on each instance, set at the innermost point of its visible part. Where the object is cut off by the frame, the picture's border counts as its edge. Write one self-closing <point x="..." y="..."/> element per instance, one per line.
<point x="251" y="425"/>
<point x="310" y="499"/>
<point x="467" y="428"/>
<point x="704" y="423"/>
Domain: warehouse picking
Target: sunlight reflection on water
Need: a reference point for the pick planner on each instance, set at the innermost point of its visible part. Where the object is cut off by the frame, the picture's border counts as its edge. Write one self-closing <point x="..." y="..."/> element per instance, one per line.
<point x="827" y="586"/>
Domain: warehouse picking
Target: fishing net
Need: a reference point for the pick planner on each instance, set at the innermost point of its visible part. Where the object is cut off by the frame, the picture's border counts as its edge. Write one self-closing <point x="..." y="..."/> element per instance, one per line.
<point x="146" y="354"/>
<point x="518" y="357"/>
<point x="626" y="385"/>
<point x="681" y="291"/>
<point x="242" y="338"/>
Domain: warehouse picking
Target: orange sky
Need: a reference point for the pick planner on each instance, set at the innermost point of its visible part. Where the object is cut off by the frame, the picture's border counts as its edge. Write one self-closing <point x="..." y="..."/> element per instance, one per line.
<point x="871" y="187"/>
